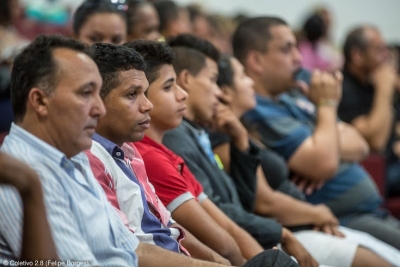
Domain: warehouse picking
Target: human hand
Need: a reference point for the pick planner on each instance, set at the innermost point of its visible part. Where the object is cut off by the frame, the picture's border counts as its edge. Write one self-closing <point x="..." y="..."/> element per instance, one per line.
<point x="325" y="221"/>
<point x="225" y="121"/>
<point x="305" y="185"/>
<point x="384" y="78"/>
<point x="221" y="260"/>
<point x="292" y="247"/>
<point x="16" y="173"/>
<point x="325" y="86"/>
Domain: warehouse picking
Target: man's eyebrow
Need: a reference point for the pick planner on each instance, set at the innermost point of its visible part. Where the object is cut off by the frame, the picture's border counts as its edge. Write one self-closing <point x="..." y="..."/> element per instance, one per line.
<point x="134" y="88"/>
<point x="86" y="85"/>
<point x="169" y="80"/>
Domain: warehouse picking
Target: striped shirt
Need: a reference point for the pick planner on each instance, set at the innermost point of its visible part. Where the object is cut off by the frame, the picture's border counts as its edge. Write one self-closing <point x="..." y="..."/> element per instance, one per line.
<point x="122" y="174"/>
<point x="84" y="225"/>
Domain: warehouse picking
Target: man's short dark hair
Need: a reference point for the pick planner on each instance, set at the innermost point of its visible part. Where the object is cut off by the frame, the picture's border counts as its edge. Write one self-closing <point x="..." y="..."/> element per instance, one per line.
<point x="35" y="66"/>
<point x="253" y="34"/>
<point x="167" y="11"/>
<point x="356" y="39"/>
<point x="191" y="53"/>
<point x="113" y="59"/>
<point x="132" y="13"/>
<point x="225" y="71"/>
<point x="155" y="54"/>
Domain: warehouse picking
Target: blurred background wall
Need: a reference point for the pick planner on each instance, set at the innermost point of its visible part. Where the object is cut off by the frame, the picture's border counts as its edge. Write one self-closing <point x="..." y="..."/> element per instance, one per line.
<point x="346" y="13"/>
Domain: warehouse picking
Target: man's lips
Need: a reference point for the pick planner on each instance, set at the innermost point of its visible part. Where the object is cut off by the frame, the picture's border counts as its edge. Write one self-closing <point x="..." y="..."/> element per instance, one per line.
<point x="145" y="123"/>
<point x="182" y="110"/>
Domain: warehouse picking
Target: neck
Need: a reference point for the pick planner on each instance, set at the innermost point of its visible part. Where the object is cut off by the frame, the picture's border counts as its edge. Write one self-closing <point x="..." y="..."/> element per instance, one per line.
<point x="259" y="86"/>
<point x="106" y="134"/>
<point x="237" y="111"/>
<point x="40" y="130"/>
<point x="361" y="75"/>
<point x="155" y="134"/>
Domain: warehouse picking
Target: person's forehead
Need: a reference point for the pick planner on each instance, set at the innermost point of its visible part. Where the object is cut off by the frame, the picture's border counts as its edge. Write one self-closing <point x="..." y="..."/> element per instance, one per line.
<point x="133" y="77"/>
<point x="373" y="36"/>
<point x="70" y="60"/>
<point x="282" y="33"/>
<point x="166" y="70"/>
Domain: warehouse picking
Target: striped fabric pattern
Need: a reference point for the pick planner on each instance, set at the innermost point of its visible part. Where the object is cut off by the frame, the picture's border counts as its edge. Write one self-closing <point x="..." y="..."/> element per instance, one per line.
<point x="148" y="221"/>
<point x="84" y="225"/>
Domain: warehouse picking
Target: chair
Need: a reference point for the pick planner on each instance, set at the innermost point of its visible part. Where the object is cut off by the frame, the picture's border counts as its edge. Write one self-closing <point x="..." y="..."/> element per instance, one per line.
<point x="375" y="165"/>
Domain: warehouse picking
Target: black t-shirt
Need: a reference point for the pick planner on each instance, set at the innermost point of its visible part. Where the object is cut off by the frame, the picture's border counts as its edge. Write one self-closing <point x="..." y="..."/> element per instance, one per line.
<point x="273" y="165"/>
<point x="357" y="100"/>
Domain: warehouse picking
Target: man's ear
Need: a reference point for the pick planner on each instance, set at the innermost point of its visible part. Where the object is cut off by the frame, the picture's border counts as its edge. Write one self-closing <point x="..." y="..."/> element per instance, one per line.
<point x="184" y="79"/>
<point x="357" y="57"/>
<point x="38" y="100"/>
<point x="254" y="62"/>
<point x="227" y="94"/>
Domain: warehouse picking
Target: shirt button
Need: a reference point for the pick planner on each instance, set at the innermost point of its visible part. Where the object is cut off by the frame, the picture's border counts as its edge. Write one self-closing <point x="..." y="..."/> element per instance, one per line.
<point x="118" y="154"/>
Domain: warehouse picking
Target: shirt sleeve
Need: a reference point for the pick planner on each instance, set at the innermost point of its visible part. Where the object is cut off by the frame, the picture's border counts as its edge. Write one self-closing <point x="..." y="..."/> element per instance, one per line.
<point x="284" y="134"/>
<point x="64" y="225"/>
<point x="170" y="186"/>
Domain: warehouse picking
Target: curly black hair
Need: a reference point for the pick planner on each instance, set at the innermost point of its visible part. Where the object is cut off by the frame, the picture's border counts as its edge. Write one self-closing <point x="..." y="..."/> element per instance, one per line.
<point x="191" y="53"/>
<point x="35" y="66"/>
<point x="113" y="59"/>
<point x="155" y="54"/>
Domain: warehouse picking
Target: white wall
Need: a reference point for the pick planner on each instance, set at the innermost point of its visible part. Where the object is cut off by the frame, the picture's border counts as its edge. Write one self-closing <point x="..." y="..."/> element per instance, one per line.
<point x="347" y="13"/>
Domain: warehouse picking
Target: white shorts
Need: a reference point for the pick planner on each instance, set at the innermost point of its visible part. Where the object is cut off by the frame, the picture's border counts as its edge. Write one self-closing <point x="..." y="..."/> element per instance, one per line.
<point x="326" y="249"/>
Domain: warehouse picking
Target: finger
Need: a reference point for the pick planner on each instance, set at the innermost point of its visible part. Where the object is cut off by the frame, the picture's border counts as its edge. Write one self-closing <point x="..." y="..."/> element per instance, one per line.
<point x="338" y="76"/>
<point x="320" y="185"/>
<point x="327" y="229"/>
<point x="337" y="233"/>
<point x="303" y="86"/>
<point x="310" y="189"/>
<point x="302" y="185"/>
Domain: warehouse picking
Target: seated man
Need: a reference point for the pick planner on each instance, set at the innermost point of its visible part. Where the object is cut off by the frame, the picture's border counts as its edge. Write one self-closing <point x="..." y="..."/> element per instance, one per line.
<point x="113" y="162"/>
<point x="368" y="97"/>
<point x="308" y="134"/>
<point x="197" y="72"/>
<point x="37" y="242"/>
<point x="238" y="95"/>
<point x="118" y="165"/>
<point x="177" y="188"/>
<point x="56" y="102"/>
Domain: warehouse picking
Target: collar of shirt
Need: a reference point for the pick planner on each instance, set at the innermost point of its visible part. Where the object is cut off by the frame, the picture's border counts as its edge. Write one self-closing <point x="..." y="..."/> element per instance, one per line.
<point x="53" y="154"/>
<point x="114" y="150"/>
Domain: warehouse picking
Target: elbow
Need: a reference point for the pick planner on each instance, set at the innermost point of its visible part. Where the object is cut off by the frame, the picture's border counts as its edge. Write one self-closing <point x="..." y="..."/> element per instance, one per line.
<point x="326" y="169"/>
<point x="377" y="146"/>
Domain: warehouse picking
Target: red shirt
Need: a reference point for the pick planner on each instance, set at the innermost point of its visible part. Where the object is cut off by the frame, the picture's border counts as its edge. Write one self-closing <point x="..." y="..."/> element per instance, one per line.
<point x="167" y="172"/>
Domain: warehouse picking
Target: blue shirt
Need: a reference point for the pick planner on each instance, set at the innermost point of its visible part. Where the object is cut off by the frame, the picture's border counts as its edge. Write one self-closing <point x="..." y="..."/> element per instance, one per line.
<point x="284" y="124"/>
<point x="84" y="225"/>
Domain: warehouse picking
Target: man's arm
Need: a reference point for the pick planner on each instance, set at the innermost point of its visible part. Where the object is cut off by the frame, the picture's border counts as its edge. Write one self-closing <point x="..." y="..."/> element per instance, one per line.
<point x="150" y="256"/>
<point x="290" y="211"/>
<point x="353" y="146"/>
<point x="37" y="241"/>
<point x="318" y="156"/>
<point x="198" y="250"/>
<point x="249" y="247"/>
<point x="195" y="219"/>
<point x="376" y="125"/>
